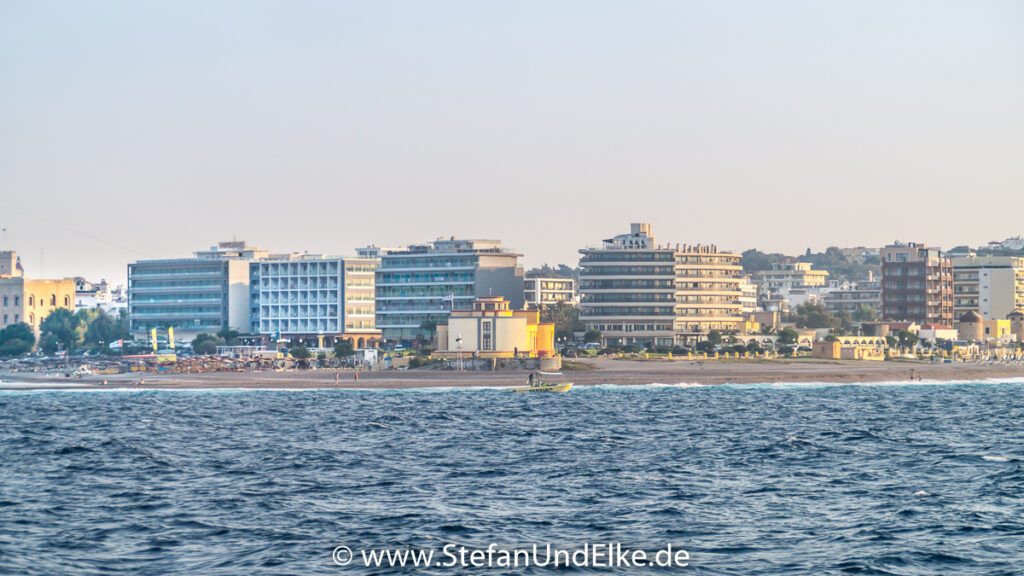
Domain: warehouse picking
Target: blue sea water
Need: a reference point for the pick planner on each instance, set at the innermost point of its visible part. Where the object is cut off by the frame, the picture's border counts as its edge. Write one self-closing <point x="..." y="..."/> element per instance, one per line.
<point x="751" y="480"/>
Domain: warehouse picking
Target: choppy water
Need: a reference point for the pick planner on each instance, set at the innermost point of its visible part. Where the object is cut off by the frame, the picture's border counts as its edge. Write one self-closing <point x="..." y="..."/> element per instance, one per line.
<point x="770" y="480"/>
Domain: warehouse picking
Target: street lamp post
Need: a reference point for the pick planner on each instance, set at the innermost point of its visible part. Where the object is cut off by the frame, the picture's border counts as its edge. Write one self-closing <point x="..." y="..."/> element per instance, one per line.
<point x="458" y="343"/>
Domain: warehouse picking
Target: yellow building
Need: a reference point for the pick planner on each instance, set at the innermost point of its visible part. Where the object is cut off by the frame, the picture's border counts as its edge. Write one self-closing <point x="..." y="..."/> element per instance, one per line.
<point x="492" y="330"/>
<point x="30" y="301"/>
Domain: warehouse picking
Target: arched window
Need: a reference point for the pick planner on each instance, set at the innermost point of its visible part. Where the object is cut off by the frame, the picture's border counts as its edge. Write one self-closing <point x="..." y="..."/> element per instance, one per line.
<point x="31" y="300"/>
<point x="67" y="302"/>
<point x="53" y="299"/>
<point x="32" y="319"/>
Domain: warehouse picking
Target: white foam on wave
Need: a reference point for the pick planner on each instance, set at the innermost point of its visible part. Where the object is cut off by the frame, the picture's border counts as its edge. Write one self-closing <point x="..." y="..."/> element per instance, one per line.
<point x="879" y="383"/>
<point x="995" y="458"/>
<point x="20" y="385"/>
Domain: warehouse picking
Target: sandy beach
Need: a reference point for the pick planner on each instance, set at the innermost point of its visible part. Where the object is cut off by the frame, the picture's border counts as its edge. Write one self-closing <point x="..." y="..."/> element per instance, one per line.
<point x="604" y="371"/>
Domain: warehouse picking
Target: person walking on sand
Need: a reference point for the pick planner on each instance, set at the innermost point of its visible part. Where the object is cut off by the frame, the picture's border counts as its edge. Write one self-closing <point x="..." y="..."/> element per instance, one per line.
<point x="356" y="376"/>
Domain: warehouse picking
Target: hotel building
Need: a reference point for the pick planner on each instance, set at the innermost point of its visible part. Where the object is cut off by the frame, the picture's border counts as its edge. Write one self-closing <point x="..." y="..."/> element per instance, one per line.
<point x="314" y="298"/>
<point x="917" y="284"/>
<point x="425" y="283"/>
<point x="540" y="292"/>
<point x="193" y="295"/>
<point x="992" y="286"/>
<point x="635" y="291"/>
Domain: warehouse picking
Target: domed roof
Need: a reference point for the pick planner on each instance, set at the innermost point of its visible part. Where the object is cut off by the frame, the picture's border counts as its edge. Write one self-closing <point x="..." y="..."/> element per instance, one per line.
<point x="971" y="316"/>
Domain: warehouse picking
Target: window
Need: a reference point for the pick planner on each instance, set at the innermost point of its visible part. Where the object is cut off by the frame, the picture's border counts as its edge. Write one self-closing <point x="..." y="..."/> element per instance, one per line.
<point x="485" y="329"/>
<point x="5" y="300"/>
<point x="53" y="299"/>
<point x="31" y="300"/>
<point x="17" y="300"/>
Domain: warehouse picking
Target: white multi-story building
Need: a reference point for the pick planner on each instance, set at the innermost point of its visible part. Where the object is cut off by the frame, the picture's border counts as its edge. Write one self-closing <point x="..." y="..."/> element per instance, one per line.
<point x="992" y="286"/>
<point x="540" y="291"/>
<point x="636" y="291"/>
<point x="314" y="298"/>
<point x="748" y="296"/>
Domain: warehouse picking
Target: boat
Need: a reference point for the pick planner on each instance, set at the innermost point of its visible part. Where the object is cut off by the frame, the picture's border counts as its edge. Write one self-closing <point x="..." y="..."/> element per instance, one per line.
<point x="539" y="384"/>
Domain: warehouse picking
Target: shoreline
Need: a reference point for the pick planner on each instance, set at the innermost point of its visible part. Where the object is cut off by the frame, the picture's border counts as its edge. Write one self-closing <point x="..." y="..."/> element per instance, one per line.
<point x="623" y="372"/>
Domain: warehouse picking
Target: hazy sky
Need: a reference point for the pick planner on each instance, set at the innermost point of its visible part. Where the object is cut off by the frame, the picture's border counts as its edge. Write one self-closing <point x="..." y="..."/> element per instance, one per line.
<point x="149" y="130"/>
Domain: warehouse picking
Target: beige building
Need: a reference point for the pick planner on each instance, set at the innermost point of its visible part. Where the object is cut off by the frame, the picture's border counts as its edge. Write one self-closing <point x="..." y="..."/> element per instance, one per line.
<point x="492" y="330"/>
<point x="708" y="292"/>
<point x="30" y="301"/>
<point x="992" y="286"/>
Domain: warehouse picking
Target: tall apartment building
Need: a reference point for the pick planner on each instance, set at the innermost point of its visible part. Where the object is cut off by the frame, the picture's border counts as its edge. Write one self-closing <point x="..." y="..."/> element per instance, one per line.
<point x="992" y="286"/>
<point x="193" y="295"/>
<point x="541" y="291"/>
<point x="748" y="296"/>
<point x="314" y="298"/>
<point x="708" y="292"/>
<point x="424" y="283"/>
<point x="917" y="284"/>
<point x="636" y="291"/>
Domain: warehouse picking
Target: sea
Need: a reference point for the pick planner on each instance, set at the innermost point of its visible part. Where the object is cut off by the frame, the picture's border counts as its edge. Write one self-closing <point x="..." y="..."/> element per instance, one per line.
<point x="775" y="479"/>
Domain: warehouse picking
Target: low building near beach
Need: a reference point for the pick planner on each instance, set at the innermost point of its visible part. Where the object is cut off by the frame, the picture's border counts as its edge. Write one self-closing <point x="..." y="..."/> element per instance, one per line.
<point x="935" y="332"/>
<point x="851" y="348"/>
<point x="493" y="330"/>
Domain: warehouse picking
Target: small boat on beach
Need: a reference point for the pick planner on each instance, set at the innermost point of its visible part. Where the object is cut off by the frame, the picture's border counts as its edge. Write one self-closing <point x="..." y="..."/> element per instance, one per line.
<point x="538" y="384"/>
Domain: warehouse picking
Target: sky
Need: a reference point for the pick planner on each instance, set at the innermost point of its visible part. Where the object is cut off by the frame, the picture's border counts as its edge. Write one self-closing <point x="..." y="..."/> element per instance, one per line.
<point x="134" y="130"/>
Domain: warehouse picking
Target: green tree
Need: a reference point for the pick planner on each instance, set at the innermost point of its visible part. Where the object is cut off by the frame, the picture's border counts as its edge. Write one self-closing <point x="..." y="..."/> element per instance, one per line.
<point x="754" y="260"/>
<point x="714" y="338"/>
<point x="228" y="336"/>
<point x="564" y="316"/>
<point x="426" y="333"/>
<point x="788" y="336"/>
<point x="906" y="338"/>
<point x="206" y="344"/>
<point x="865" y="313"/>
<point x="890" y="341"/>
<point x="814" y="315"/>
<point x="591" y="336"/>
<point x="343" y="349"/>
<point x="300" y="352"/>
<point x="16" y="339"/>
<point x="64" y="327"/>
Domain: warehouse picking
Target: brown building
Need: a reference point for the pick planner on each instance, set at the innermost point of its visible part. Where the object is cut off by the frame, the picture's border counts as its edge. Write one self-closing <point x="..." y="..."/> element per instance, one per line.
<point x="917" y="284"/>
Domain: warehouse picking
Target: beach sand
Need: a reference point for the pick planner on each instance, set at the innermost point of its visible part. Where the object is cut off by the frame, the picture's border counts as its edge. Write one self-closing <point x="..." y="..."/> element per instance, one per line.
<point x="605" y="371"/>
